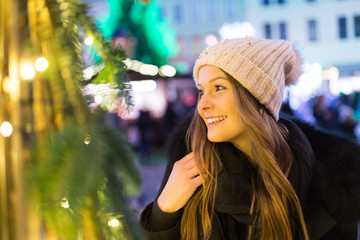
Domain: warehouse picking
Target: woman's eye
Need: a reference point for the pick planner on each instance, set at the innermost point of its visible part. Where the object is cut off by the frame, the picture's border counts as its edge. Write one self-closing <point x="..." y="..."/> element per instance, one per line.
<point x="219" y="87"/>
<point x="201" y="92"/>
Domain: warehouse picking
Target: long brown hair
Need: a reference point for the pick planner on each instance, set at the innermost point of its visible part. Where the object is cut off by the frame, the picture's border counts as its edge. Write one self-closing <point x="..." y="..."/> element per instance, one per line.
<point x="276" y="207"/>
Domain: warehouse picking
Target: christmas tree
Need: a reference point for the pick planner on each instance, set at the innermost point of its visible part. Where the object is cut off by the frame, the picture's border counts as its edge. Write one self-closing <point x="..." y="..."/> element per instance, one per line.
<point x="65" y="173"/>
<point x="152" y="37"/>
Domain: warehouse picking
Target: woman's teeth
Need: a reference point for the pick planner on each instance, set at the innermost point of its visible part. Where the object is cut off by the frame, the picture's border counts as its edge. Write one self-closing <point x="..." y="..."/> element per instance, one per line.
<point x="215" y="119"/>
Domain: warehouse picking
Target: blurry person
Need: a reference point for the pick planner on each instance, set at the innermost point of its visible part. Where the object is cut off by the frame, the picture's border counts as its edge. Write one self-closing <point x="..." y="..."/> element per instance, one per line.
<point x="323" y="114"/>
<point x="346" y="117"/>
<point x="175" y="110"/>
<point x="145" y="126"/>
<point x="240" y="171"/>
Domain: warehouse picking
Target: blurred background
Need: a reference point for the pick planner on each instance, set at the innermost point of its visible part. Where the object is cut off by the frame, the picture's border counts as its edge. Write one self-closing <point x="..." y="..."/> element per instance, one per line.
<point x="327" y="34"/>
<point x="155" y="44"/>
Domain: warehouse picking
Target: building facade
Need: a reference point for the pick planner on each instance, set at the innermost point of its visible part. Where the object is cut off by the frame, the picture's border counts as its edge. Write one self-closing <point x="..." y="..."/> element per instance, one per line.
<point x="325" y="31"/>
<point x="194" y="20"/>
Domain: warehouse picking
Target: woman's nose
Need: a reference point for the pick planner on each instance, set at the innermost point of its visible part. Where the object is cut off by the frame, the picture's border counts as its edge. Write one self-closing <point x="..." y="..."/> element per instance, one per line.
<point x="204" y="102"/>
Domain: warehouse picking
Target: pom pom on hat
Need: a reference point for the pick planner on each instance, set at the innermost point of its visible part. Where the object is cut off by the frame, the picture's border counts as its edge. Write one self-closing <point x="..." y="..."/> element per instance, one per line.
<point x="296" y="71"/>
<point x="262" y="66"/>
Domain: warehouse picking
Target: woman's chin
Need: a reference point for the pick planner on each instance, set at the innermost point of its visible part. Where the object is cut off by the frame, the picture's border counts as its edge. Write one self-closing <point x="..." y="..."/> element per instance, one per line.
<point x="215" y="139"/>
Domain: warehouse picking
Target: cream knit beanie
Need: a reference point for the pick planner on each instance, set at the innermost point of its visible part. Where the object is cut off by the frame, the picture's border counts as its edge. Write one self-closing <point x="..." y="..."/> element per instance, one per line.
<point x="262" y="66"/>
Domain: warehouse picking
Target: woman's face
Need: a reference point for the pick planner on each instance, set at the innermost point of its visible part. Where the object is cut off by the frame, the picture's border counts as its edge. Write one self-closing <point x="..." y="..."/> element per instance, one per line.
<point x="217" y="106"/>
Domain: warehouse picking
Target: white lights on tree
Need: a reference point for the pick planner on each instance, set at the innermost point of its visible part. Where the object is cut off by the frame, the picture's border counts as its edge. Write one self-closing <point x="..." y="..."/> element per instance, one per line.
<point x="27" y="71"/>
<point x="64" y="203"/>
<point x="87" y="139"/>
<point x="88" y="73"/>
<point x="114" y="223"/>
<point x="98" y="99"/>
<point x="41" y="64"/>
<point x="6" y="129"/>
<point x="89" y="41"/>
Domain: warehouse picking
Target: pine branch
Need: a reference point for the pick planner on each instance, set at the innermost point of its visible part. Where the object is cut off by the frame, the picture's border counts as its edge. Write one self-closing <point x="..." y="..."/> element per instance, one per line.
<point x="82" y="170"/>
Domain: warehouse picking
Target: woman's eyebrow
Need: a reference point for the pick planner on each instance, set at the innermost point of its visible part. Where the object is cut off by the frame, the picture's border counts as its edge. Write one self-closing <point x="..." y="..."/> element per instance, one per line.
<point x="216" y="78"/>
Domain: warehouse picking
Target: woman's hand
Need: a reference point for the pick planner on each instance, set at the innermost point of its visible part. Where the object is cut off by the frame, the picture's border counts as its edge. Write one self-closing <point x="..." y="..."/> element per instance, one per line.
<point x="181" y="185"/>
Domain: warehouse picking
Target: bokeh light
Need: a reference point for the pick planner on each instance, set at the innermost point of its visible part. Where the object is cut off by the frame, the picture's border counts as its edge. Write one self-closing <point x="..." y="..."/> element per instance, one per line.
<point x="6" y="84"/>
<point x="64" y="203"/>
<point x="143" y="86"/>
<point x="88" y="73"/>
<point x="114" y="223"/>
<point x="89" y="41"/>
<point x="148" y="69"/>
<point x="27" y="70"/>
<point x="98" y="99"/>
<point x="6" y="129"/>
<point x="237" y="30"/>
<point x="167" y="71"/>
<point x="41" y="64"/>
<point x="211" y="40"/>
<point x="127" y="62"/>
<point x="87" y="139"/>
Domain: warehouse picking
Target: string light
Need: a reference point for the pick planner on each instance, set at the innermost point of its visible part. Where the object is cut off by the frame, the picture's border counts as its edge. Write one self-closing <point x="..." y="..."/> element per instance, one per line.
<point x="27" y="71"/>
<point x="148" y="69"/>
<point x="41" y="64"/>
<point x="89" y="41"/>
<point x="114" y="223"/>
<point x="143" y="86"/>
<point x="64" y="203"/>
<point x="88" y="73"/>
<point x="98" y="99"/>
<point x="87" y="139"/>
<point x="6" y="129"/>
<point x="167" y="71"/>
<point x="136" y="65"/>
<point x="127" y="62"/>
<point x="7" y="84"/>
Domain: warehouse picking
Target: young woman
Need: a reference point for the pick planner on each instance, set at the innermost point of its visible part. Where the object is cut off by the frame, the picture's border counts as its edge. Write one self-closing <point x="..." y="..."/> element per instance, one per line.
<point x="247" y="173"/>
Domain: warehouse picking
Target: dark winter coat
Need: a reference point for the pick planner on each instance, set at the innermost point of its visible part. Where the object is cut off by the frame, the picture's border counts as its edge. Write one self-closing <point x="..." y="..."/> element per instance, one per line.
<point x="325" y="175"/>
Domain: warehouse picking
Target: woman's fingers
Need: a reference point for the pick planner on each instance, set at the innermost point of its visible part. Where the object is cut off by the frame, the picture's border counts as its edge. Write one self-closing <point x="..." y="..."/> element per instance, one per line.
<point x="183" y="181"/>
<point x="187" y="158"/>
<point x="188" y="162"/>
<point x="185" y="164"/>
<point x="197" y="181"/>
<point x="193" y="172"/>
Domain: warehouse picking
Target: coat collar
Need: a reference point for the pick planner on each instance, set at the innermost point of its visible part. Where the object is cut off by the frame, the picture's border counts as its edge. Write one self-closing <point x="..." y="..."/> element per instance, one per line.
<point x="234" y="192"/>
